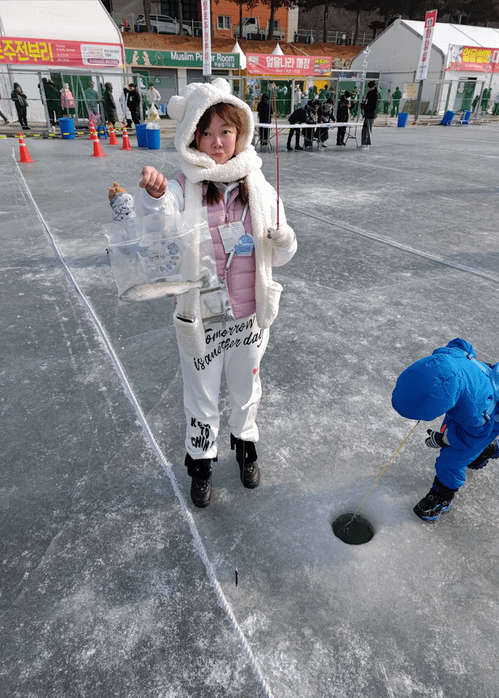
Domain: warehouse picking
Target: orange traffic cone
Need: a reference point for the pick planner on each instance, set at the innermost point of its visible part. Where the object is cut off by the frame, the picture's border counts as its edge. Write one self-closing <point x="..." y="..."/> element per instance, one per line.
<point x="23" y="150"/>
<point x="112" y="136"/>
<point x="126" y="140"/>
<point x="97" y="147"/>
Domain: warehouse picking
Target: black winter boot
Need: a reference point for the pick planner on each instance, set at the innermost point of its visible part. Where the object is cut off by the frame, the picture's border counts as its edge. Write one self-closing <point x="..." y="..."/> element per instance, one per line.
<point x="246" y="457"/>
<point x="490" y="451"/>
<point x="200" y="472"/>
<point x="437" y="502"/>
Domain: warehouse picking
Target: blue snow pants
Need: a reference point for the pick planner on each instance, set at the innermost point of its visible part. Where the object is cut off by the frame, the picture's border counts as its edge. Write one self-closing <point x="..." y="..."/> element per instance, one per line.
<point x="451" y="463"/>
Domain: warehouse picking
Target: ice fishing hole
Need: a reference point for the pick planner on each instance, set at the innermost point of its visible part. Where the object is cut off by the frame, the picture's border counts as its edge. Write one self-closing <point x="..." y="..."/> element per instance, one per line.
<point x="353" y="529"/>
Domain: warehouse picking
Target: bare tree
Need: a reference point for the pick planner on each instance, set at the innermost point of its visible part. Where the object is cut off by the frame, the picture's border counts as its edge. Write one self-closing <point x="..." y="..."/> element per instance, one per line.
<point x="147" y="15"/>
<point x="180" y="17"/>
<point x="275" y="5"/>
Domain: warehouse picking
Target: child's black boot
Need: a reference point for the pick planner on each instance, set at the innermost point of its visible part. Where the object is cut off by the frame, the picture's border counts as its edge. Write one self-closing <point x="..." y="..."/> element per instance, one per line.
<point x="200" y="472"/>
<point x="437" y="502"/>
<point x="246" y="457"/>
<point x="490" y="451"/>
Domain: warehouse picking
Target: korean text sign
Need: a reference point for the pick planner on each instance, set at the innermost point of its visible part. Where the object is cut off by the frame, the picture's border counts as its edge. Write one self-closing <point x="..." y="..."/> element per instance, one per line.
<point x="424" y="58"/>
<point x="263" y="64"/>
<point x="49" y="52"/>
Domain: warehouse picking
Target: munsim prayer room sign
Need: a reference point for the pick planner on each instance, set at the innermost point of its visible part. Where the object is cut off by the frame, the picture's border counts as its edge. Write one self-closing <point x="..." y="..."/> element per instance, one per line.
<point x="263" y="64"/>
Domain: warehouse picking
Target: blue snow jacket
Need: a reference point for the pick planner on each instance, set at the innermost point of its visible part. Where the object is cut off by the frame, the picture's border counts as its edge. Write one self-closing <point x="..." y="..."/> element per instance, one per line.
<point x="449" y="382"/>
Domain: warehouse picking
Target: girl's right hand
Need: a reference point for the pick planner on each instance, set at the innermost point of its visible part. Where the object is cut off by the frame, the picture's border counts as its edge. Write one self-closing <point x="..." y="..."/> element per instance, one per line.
<point x="153" y="182"/>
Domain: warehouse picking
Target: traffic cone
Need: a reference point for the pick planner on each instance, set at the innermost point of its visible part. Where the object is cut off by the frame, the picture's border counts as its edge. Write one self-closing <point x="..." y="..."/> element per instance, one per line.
<point x="23" y="150"/>
<point x="126" y="140"/>
<point x="97" y="147"/>
<point x="112" y="136"/>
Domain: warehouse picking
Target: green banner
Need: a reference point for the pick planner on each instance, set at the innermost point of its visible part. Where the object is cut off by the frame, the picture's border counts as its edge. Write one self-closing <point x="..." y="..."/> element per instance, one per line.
<point x="179" y="59"/>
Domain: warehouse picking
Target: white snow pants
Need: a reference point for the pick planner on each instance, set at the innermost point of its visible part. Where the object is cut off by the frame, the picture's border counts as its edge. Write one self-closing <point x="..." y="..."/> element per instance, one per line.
<point x="238" y="348"/>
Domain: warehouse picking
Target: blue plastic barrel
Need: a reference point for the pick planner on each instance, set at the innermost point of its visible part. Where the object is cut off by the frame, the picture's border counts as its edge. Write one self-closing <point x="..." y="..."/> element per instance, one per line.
<point x="465" y="119"/>
<point x="402" y="119"/>
<point x="449" y="115"/>
<point x="152" y="138"/>
<point x="67" y="127"/>
<point x="140" y="132"/>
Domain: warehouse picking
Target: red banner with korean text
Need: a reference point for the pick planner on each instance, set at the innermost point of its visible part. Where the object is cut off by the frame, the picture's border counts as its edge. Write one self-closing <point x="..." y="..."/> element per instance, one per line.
<point x="265" y="64"/>
<point x="473" y="59"/>
<point x="53" y="52"/>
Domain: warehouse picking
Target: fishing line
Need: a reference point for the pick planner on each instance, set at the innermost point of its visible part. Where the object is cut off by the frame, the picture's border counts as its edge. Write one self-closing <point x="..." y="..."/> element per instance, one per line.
<point x="354" y="529"/>
<point x="167" y="468"/>
<point x="382" y="472"/>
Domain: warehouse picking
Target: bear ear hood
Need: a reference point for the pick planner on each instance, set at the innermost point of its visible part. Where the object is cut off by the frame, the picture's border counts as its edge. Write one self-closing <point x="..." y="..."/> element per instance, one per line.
<point x="188" y="107"/>
<point x="428" y="388"/>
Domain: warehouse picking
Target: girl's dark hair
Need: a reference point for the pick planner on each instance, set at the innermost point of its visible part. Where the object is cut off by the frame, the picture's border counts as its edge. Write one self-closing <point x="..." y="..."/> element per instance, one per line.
<point x="231" y="115"/>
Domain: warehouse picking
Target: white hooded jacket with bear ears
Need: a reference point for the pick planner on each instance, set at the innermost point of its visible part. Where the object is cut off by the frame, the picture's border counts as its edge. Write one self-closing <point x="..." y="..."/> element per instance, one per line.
<point x="187" y="108"/>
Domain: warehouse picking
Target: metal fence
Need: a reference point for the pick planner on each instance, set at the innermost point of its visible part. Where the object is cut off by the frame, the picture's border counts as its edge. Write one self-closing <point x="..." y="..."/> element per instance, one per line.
<point x="310" y="36"/>
<point x="439" y="97"/>
<point x="128" y="22"/>
<point x="82" y="100"/>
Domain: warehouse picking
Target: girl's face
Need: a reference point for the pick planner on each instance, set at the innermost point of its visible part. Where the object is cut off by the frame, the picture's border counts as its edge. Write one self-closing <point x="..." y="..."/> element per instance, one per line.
<point x="218" y="140"/>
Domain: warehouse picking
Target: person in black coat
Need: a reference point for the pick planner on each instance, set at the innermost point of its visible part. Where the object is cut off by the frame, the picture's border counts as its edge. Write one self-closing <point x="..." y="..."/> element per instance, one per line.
<point x="342" y="115"/>
<point x="265" y="112"/>
<point x="324" y="116"/>
<point x="368" y="106"/>
<point x="110" y="111"/>
<point x="21" y="103"/>
<point x="302" y="115"/>
<point x="133" y="103"/>
<point x="53" y="97"/>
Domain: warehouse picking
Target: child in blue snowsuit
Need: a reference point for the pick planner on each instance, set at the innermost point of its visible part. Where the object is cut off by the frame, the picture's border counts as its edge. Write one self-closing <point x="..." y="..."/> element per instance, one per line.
<point x="454" y="382"/>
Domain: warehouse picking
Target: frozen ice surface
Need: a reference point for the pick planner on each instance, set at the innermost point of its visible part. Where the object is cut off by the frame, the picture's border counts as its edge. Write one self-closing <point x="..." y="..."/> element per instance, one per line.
<point x="109" y="585"/>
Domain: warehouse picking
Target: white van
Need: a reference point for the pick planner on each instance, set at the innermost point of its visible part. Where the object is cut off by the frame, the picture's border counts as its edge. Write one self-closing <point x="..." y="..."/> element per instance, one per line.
<point x="163" y="24"/>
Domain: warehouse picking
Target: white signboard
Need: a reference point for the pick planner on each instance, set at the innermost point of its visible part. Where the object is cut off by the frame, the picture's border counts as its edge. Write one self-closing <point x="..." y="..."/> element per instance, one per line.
<point x="424" y="58"/>
<point x="206" y="20"/>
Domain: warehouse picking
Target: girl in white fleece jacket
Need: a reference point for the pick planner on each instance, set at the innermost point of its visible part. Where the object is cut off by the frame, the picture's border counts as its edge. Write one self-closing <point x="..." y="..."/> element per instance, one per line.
<point x="222" y="171"/>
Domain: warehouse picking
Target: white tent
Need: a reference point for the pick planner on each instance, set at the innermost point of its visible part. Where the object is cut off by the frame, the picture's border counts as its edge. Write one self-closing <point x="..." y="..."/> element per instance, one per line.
<point x="395" y="55"/>
<point x="70" y="37"/>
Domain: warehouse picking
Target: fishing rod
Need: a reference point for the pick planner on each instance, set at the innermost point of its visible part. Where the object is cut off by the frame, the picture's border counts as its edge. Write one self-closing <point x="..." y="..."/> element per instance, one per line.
<point x="277" y="154"/>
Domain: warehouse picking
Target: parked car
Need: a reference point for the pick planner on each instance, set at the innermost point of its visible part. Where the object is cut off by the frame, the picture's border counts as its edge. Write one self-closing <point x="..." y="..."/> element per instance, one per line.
<point x="252" y="28"/>
<point x="162" y="24"/>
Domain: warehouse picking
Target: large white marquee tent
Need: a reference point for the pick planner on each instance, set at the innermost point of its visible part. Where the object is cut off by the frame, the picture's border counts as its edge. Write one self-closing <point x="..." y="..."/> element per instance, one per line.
<point x="70" y="38"/>
<point x="395" y="56"/>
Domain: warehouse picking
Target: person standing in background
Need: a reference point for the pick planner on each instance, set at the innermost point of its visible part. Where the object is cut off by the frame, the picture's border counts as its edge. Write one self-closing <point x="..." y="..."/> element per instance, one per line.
<point x="123" y="104"/>
<point x="110" y="113"/>
<point x="53" y="97"/>
<point x="21" y="101"/>
<point x="92" y="104"/>
<point x="265" y="112"/>
<point x="153" y="96"/>
<point x="368" y="106"/>
<point x="133" y="103"/>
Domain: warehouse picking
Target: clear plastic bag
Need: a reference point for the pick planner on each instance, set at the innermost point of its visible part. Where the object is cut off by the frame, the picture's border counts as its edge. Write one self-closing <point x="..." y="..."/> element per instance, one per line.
<point x="152" y="249"/>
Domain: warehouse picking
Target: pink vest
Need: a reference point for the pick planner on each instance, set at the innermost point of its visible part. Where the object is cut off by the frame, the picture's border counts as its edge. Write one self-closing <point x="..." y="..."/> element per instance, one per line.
<point x="240" y="278"/>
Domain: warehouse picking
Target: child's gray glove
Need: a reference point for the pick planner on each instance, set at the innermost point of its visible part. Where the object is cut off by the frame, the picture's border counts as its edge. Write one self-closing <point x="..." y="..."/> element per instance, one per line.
<point x="283" y="237"/>
<point x="435" y="439"/>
